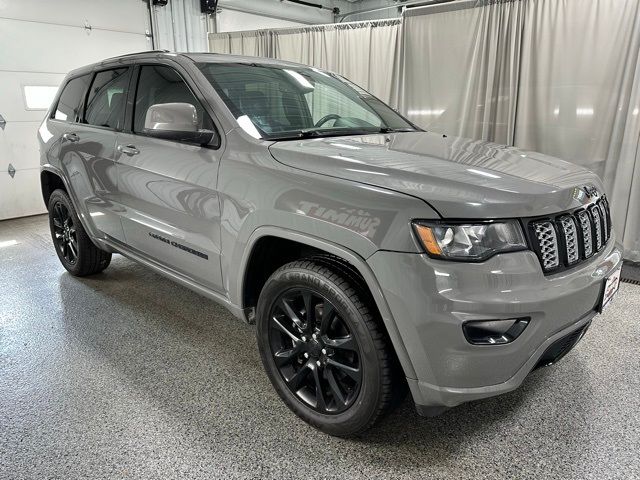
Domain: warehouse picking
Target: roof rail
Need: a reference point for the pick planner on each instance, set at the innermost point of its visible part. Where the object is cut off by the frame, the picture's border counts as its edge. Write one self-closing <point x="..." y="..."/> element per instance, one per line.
<point x="135" y="53"/>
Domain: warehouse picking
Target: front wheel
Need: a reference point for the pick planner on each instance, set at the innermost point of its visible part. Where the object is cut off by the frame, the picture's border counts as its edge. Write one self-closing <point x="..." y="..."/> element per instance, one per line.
<point x="77" y="253"/>
<point x="323" y="349"/>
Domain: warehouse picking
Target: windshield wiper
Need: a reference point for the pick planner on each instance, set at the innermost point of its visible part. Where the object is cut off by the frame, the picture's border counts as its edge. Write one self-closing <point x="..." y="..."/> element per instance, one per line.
<point x="335" y="132"/>
<point x="396" y="130"/>
<point x="315" y="132"/>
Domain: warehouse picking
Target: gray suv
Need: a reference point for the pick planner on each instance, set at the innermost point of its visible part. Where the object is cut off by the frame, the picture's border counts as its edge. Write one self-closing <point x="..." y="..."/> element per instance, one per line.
<point x="373" y="256"/>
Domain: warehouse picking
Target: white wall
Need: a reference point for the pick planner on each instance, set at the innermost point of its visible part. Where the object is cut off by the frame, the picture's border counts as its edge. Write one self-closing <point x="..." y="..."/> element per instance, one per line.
<point x="365" y="4"/>
<point x="234" y="21"/>
<point x="238" y="15"/>
<point x="40" y="41"/>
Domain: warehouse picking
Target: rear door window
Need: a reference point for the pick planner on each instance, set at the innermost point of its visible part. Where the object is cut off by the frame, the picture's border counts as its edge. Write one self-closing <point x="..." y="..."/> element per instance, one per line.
<point x="107" y="99"/>
<point x="68" y="108"/>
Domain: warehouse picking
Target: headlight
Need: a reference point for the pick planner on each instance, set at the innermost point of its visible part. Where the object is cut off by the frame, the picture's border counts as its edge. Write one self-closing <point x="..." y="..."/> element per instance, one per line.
<point x="470" y="241"/>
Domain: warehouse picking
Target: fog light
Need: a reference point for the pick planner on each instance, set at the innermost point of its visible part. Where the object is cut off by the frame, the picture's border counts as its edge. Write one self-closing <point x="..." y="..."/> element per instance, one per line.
<point x="494" y="332"/>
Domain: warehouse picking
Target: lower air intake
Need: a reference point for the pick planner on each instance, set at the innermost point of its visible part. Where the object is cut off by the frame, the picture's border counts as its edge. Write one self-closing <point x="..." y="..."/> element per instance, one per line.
<point x="561" y="347"/>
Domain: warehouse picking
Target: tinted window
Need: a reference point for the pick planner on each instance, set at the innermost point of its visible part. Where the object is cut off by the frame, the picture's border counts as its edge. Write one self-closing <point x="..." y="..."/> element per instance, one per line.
<point x="160" y="84"/>
<point x="68" y="108"/>
<point x="290" y="101"/>
<point x="107" y="99"/>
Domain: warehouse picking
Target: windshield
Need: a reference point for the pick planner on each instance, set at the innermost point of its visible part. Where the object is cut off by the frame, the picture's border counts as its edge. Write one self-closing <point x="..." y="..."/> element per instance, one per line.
<point x="282" y="102"/>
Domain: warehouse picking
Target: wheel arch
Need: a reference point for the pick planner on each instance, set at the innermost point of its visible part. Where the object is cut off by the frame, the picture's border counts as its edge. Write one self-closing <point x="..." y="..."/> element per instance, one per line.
<point x="317" y="245"/>
<point x="49" y="182"/>
<point x="51" y="179"/>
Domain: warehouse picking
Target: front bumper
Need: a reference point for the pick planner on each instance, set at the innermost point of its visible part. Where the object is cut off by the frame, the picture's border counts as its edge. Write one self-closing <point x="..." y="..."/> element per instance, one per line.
<point x="431" y="299"/>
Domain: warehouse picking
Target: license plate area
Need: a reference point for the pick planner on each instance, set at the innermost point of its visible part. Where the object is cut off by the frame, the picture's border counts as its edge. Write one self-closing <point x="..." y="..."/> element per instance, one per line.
<point x="609" y="289"/>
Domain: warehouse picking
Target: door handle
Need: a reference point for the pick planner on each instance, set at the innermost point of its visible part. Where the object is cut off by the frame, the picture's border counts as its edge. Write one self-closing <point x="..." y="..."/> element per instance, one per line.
<point x="128" y="150"/>
<point x="71" y="137"/>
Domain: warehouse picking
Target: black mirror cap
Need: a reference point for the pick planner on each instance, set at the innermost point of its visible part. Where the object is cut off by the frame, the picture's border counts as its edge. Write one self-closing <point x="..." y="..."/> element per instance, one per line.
<point x="198" y="137"/>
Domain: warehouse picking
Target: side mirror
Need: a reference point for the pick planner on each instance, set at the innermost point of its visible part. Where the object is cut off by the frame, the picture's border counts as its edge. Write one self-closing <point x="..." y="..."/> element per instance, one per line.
<point x="177" y="122"/>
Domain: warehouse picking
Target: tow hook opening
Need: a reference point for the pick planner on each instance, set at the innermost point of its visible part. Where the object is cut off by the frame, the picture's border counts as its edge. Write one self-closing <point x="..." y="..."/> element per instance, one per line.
<point x="494" y="332"/>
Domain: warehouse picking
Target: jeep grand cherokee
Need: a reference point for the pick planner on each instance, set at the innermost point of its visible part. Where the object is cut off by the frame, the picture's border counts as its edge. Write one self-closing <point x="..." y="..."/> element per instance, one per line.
<point x="372" y="255"/>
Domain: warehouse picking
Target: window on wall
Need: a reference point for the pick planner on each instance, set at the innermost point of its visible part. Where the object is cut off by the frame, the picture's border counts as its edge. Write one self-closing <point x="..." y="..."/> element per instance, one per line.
<point x="38" y="97"/>
<point x="68" y="108"/>
<point x="107" y="99"/>
<point x="162" y="84"/>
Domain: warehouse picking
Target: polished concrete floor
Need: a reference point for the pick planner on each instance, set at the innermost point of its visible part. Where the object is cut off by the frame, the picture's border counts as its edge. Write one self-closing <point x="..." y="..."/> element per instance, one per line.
<point x="126" y="375"/>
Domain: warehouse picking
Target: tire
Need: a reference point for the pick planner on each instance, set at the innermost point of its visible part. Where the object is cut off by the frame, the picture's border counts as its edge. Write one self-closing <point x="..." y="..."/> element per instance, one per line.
<point x="348" y="361"/>
<point x="346" y="271"/>
<point x="77" y="253"/>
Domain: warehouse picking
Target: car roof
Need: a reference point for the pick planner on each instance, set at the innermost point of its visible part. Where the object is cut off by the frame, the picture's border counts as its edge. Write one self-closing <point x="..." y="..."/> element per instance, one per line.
<point x="203" y="57"/>
<point x="224" y="58"/>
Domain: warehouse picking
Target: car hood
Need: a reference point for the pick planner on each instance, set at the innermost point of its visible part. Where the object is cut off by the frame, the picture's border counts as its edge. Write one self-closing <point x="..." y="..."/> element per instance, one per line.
<point x="458" y="177"/>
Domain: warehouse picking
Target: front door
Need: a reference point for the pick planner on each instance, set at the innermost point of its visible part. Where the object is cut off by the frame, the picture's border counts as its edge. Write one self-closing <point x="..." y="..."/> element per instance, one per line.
<point x="167" y="188"/>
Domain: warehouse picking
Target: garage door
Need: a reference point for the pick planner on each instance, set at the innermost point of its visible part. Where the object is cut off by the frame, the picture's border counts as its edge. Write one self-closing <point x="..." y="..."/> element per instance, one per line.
<point x="40" y="41"/>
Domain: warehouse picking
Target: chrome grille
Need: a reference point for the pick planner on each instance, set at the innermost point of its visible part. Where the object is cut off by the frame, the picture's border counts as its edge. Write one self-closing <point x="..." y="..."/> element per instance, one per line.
<point x="597" y="223"/>
<point x="570" y="238"/>
<point x="564" y="240"/>
<point x="605" y="226"/>
<point x="548" y="242"/>
<point x="585" y="226"/>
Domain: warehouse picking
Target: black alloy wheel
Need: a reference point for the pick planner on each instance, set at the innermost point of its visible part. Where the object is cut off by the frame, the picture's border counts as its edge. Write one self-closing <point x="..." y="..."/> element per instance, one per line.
<point x="64" y="231"/>
<point x="314" y="351"/>
<point x="323" y="346"/>
<point x="75" y="249"/>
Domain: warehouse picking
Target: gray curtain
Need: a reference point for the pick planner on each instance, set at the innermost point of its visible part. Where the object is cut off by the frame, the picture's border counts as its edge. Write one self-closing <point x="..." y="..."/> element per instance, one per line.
<point x="254" y="43"/>
<point x="367" y="53"/>
<point x="364" y="52"/>
<point x="180" y="26"/>
<point x="579" y="96"/>
<point x="461" y="69"/>
<point x="561" y="77"/>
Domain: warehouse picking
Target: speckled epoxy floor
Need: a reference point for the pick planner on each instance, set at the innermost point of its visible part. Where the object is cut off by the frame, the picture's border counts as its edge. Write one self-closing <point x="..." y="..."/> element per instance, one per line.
<point x="127" y="375"/>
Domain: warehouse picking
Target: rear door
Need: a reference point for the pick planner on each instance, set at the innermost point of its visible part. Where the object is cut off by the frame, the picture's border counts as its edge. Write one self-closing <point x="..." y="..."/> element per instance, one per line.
<point x="168" y="188"/>
<point x="87" y="148"/>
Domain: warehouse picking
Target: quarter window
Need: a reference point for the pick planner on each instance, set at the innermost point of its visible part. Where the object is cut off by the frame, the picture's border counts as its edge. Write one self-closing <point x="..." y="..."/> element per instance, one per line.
<point x="162" y="84"/>
<point x="68" y="108"/>
<point x="107" y="99"/>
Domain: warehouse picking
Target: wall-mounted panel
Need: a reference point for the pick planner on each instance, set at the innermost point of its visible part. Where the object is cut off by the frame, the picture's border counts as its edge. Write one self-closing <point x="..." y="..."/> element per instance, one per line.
<point x="53" y="48"/>
<point x="118" y="15"/>
<point x="17" y="146"/>
<point x="41" y="41"/>
<point x="12" y="194"/>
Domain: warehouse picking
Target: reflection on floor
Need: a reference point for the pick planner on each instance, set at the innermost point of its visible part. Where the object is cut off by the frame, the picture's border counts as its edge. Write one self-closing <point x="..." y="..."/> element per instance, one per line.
<point x="127" y="375"/>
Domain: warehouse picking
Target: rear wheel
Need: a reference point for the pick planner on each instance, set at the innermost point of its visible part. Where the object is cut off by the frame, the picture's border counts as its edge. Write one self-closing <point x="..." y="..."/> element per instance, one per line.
<point x="77" y="253"/>
<point x="323" y="349"/>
